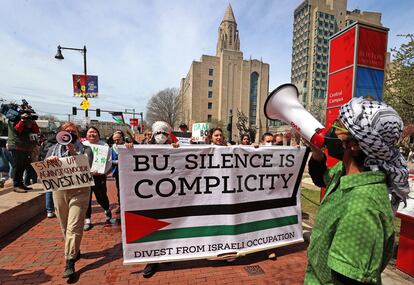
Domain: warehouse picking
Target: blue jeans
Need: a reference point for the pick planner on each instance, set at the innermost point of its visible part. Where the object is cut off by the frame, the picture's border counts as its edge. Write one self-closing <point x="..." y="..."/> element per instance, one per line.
<point x="50" y="207"/>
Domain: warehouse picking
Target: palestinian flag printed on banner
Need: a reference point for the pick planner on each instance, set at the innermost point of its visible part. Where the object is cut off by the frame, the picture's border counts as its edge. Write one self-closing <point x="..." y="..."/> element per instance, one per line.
<point x="206" y="201"/>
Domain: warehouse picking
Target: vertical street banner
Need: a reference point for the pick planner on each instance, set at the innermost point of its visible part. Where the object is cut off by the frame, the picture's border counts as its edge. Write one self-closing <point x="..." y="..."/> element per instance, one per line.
<point x="66" y="173"/>
<point x="85" y="85"/>
<point x="202" y="201"/>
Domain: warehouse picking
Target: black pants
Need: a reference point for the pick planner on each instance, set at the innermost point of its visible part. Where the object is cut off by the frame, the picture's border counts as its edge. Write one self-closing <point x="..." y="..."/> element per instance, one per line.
<point x="20" y="161"/>
<point x="116" y="176"/>
<point x="100" y="193"/>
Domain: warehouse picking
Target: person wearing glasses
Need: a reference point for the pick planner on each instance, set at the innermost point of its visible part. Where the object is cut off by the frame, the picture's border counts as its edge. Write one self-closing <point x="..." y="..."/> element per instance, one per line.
<point x="353" y="236"/>
<point x="147" y="135"/>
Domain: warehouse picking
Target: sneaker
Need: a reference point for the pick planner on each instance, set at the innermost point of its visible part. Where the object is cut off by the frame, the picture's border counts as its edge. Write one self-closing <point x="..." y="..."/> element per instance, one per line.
<point x="108" y="215"/>
<point x="88" y="225"/>
<point x="51" y="215"/>
<point x="150" y="269"/>
<point x="69" y="269"/>
<point x="19" y="189"/>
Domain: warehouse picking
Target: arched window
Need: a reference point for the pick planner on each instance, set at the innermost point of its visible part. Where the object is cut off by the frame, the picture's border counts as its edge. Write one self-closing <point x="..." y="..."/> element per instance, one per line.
<point x="254" y="79"/>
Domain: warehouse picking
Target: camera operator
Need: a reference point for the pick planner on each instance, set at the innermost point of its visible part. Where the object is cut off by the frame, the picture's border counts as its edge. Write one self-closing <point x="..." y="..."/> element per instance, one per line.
<point x="21" y="141"/>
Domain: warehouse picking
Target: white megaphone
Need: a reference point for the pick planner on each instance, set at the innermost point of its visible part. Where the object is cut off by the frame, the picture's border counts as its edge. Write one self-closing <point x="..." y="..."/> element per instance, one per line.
<point x="65" y="138"/>
<point x="283" y="104"/>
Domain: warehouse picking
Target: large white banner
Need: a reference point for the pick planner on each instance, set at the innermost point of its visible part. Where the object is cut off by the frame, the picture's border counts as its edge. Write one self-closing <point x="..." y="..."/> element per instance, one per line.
<point x="206" y="201"/>
<point x="66" y="173"/>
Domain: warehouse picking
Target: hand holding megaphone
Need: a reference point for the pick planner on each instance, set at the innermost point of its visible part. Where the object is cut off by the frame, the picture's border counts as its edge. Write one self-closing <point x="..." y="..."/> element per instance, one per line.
<point x="65" y="138"/>
<point x="283" y="104"/>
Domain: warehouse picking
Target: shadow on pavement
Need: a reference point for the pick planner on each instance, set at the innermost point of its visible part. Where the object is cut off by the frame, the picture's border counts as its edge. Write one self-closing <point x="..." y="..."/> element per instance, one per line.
<point x="8" y="275"/>
<point x="16" y="233"/>
<point x="108" y="255"/>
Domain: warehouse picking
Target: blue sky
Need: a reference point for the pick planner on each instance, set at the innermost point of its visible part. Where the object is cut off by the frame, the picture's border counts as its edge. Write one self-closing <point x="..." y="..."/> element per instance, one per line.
<point x="140" y="47"/>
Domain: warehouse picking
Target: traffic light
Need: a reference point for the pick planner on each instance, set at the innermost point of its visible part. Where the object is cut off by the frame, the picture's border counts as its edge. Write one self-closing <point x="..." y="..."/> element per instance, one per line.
<point x="74" y="111"/>
<point x="98" y="112"/>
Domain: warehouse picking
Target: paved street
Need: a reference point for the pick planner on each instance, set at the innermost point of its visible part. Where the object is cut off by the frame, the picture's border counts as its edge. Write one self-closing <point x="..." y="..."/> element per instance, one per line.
<point x="33" y="254"/>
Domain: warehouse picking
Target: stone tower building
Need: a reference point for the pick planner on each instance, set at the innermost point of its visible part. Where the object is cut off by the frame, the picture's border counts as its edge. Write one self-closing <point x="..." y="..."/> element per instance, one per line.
<point x="217" y="85"/>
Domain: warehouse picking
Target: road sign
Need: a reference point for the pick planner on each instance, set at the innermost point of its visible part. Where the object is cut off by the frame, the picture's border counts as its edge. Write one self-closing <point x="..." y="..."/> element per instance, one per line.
<point x="85" y="104"/>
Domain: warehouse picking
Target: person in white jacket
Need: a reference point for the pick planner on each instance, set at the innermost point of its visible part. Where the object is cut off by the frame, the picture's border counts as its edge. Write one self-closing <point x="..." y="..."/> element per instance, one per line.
<point x="99" y="177"/>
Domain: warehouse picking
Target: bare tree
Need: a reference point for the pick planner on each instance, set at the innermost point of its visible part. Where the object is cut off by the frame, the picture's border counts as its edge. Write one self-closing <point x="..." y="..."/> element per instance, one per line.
<point x="164" y="106"/>
<point x="244" y="127"/>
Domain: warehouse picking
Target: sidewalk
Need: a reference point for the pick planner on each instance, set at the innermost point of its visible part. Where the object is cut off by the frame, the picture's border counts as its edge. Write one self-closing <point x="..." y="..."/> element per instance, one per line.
<point x="33" y="254"/>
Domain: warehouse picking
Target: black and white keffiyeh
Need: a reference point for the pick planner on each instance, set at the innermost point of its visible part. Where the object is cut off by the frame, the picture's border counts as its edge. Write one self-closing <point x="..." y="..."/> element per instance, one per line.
<point x="377" y="127"/>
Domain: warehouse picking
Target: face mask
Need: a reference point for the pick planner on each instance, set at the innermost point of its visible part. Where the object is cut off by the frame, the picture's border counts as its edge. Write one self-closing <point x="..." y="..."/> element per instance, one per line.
<point x="334" y="145"/>
<point x="160" y="138"/>
<point x="268" y="144"/>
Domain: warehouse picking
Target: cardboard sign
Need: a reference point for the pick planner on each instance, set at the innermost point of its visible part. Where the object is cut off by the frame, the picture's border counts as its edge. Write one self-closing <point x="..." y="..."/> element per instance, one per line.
<point x="196" y="202"/>
<point x="67" y="173"/>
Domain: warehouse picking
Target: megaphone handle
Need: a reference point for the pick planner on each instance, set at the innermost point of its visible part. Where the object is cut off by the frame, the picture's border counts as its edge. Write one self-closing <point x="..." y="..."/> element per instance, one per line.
<point x="318" y="138"/>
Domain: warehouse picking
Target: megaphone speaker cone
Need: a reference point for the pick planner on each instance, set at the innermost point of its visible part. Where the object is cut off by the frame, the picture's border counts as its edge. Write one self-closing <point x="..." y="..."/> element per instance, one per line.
<point x="283" y="104"/>
<point x="63" y="138"/>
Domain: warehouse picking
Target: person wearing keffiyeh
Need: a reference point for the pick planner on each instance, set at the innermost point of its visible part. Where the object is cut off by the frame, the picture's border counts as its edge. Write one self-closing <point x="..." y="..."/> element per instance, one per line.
<point x="353" y="236"/>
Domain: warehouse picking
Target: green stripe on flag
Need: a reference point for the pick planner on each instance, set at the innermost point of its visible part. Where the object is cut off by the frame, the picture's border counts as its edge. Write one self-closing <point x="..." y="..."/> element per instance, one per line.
<point x="219" y="230"/>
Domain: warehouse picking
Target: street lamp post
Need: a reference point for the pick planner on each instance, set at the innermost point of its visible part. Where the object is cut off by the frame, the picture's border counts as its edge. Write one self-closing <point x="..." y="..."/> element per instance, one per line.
<point x="83" y="51"/>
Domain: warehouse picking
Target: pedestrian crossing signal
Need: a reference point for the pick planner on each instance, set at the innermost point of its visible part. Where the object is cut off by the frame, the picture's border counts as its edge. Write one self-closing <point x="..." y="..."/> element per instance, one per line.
<point x="74" y="111"/>
<point x="98" y="112"/>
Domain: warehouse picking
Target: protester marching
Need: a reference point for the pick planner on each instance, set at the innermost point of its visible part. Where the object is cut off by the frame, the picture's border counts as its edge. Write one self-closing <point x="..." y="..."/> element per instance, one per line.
<point x="219" y="179"/>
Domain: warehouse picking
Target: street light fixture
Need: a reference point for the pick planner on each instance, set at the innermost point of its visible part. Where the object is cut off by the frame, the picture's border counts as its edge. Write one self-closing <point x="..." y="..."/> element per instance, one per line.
<point x="59" y="56"/>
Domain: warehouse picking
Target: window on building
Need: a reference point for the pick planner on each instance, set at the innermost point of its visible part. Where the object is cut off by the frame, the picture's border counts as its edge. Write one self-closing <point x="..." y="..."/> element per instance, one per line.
<point x="254" y="79"/>
<point x="210" y="106"/>
<point x="210" y="83"/>
<point x="210" y="71"/>
<point x="209" y="118"/>
<point x="210" y="94"/>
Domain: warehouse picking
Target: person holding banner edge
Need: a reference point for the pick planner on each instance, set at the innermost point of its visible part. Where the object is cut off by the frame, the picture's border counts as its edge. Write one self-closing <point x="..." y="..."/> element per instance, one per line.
<point x="352" y="239"/>
<point x="71" y="205"/>
<point x="160" y="135"/>
<point x="118" y="138"/>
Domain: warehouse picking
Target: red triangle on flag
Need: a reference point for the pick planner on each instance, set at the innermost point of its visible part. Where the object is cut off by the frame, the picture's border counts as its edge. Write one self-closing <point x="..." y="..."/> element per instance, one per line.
<point x="137" y="226"/>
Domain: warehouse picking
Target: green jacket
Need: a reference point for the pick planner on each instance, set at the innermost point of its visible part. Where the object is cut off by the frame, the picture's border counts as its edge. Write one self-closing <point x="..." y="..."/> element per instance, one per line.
<point x="353" y="235"/>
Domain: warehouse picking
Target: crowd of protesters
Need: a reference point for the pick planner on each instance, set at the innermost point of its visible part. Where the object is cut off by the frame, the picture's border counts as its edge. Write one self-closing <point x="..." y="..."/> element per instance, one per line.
<point x="329" y="254"/>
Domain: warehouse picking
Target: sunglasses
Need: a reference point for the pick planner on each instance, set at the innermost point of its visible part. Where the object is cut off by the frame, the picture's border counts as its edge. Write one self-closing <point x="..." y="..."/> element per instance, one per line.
<point x="164" y="133"/>
<point x="338" y="125"/>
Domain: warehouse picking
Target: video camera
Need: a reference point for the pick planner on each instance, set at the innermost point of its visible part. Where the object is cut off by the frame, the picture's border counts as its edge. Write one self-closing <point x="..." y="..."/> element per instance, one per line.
<point x="13" y="111"/>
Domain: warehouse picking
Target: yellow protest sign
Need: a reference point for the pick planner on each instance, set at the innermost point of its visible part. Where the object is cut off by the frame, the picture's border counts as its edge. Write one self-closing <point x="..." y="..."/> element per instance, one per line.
<point x="85" y="104"/>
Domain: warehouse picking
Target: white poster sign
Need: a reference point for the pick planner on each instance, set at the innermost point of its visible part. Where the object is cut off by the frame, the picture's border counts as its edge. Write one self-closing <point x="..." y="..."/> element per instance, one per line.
<point x="100" y="157"/>
<point x="197" y="202"/>
<point x="200" y="131"/>
<point x="66" y="173"/>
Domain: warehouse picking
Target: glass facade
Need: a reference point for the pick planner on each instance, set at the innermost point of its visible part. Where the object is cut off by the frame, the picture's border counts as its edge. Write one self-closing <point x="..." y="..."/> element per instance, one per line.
<point x="254" y="79"/>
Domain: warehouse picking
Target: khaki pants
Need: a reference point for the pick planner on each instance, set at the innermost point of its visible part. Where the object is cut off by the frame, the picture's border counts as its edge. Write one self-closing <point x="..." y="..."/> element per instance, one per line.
<point x="70" y="207"/>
